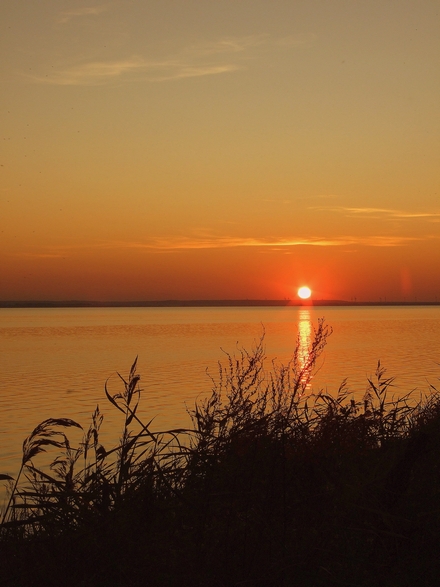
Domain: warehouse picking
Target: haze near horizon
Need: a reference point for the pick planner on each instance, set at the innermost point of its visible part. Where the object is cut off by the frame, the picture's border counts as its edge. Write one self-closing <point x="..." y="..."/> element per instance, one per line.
<point x="220" y="150"/>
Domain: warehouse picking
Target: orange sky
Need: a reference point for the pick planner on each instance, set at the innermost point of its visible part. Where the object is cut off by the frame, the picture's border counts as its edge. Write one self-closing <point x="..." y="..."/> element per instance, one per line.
<point x="163" y="150"/>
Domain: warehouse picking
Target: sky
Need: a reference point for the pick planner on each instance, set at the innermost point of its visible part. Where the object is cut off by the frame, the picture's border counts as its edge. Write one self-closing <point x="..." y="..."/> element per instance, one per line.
<point x="229" y="149"/>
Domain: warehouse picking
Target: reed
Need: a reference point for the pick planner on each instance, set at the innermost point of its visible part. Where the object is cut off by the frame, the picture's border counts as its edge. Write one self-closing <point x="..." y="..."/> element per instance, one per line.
<point x="272" y="485"/>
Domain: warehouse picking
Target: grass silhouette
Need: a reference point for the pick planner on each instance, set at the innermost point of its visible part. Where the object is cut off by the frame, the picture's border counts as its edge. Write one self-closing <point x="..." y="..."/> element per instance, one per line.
<point x="273" y="485"/>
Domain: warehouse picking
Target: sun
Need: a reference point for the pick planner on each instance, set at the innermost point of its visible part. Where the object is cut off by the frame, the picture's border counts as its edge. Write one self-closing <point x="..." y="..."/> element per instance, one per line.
<point x="304" y="292"/>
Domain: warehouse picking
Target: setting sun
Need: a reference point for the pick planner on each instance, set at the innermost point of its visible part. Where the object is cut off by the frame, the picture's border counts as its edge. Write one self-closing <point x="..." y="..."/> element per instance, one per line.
<point x="304" y="292"/>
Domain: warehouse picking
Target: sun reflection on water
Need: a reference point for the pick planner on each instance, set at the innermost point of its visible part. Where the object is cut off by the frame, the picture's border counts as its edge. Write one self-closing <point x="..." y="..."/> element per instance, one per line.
<point x="305" y="334"/>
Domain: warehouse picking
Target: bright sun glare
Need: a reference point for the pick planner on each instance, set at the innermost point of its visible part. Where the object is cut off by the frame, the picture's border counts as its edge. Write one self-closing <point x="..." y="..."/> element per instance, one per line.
<point x="304" y="292"/>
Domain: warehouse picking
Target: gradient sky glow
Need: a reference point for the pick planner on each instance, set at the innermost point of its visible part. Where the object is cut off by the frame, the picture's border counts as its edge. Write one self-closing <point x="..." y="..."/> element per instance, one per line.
<point x="187" y="149"/>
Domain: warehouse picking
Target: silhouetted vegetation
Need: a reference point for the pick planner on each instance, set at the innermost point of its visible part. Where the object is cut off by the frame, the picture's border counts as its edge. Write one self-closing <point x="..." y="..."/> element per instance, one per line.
<point x="272" y="486"/>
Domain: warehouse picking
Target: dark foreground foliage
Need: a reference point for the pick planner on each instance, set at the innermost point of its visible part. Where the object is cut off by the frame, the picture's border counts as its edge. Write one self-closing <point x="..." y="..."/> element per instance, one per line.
<point x="273" y="486"/>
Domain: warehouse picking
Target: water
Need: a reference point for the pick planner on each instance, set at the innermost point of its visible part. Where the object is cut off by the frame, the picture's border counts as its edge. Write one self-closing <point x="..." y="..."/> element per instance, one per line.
<point x="54" y="362"/>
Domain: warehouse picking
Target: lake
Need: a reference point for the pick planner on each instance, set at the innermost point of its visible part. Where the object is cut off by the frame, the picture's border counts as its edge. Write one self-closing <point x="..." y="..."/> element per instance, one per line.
<point x="55" y="361"/>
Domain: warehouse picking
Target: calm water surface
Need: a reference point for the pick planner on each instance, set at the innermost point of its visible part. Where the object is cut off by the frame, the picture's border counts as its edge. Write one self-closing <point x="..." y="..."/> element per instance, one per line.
<point x="54" y="362"/>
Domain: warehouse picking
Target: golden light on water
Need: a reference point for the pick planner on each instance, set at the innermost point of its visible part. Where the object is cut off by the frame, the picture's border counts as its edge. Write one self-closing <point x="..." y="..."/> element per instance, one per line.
<point x="304" y="342"/>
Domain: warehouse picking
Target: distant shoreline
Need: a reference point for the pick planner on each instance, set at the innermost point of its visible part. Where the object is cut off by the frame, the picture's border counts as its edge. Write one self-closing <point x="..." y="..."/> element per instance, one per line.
<point x="201" y="303"/>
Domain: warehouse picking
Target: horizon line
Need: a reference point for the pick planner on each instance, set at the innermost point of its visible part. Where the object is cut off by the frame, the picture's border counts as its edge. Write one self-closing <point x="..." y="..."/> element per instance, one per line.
<point x="207" y="303"/>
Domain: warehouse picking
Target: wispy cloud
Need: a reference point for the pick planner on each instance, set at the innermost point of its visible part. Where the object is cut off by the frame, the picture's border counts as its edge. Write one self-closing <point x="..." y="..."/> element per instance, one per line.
<point x="222" y="56"/>
<point x="229" y="45"/>
<point x="203" y="242"/>
<point x="182" y="71"/>
<point x="135" y="67"/>
<point x="225" y="242"/>
<point x="96" y="72"/>
<point x="67" y="15"/>
<point x="379" y="213"/>
<point x="248" y="42"/>
<point x="174" y="244"/>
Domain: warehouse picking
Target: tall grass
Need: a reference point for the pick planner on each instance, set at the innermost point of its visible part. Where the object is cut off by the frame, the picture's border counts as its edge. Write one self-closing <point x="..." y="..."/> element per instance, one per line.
<point x="88" y="481"/>
<point x="272" y="485"/>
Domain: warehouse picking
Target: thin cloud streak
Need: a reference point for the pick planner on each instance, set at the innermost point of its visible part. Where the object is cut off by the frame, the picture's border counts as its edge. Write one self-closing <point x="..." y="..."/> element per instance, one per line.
<point x="68" y="15"/>
<point x="378" y="212"/>
<point x="229" y="45"/>
<point x="199" y="71"/>
<point x="176" y="244"/>
<point x="247" y="43"/>
<point x="100" y="72"/>
<point x="186" y="243"/>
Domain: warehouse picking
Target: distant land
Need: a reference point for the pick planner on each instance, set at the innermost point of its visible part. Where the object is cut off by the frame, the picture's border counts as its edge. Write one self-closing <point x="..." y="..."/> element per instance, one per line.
<point x="201" y="303"/>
